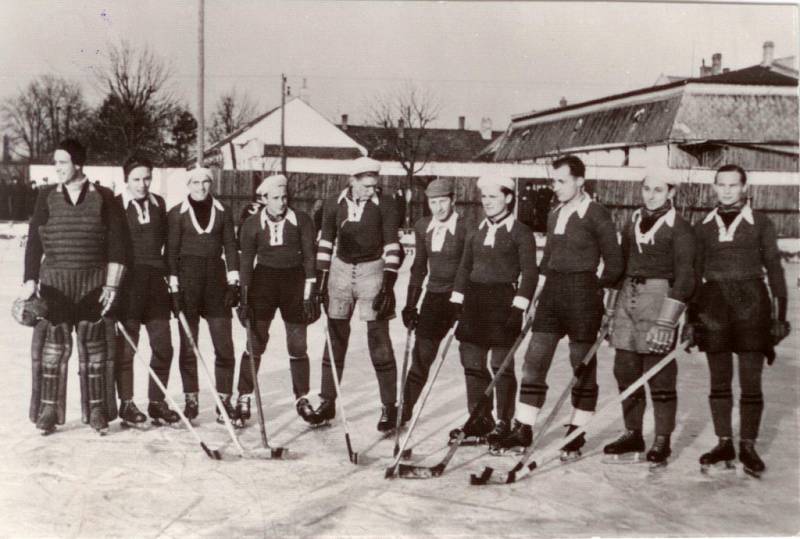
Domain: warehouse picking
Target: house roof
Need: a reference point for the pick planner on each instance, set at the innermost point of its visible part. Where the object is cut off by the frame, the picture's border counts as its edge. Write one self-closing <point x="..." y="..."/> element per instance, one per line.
<point x="444" y="145"/>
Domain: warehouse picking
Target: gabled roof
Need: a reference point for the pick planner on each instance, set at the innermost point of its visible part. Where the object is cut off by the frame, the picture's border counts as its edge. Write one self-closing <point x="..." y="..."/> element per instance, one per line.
<point x="440" y="145"/>
<point x="239" y="131"/>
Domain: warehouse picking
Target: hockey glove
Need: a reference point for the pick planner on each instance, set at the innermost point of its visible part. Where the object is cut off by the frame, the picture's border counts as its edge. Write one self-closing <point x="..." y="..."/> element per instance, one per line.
<point x="609" y="309"/>
<point x="244" y="312"/>
<point x="384" y="302"/>
<point x="322" y="284"/>
<point x="410" y="313"/>
<point x="513" y="323"/>
<point x="779" y="328"/>
<point x="175" y="302"/>
<point x="232" y="296"/>
<point x="455" y="313"/>
<point x="311" y="311"/>
<point x="662" y="332"/>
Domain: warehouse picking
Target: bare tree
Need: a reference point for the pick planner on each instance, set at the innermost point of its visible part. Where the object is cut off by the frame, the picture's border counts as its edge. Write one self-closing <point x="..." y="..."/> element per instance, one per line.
<point x="48" y="109"/>
<point x="233" y="110"/>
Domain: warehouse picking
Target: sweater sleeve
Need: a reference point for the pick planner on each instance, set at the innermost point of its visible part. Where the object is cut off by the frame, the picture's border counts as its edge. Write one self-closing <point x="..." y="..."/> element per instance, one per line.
<point x="162" y="210"/>
<point x="771" y="258"/>
<point x="545" y="254"/>
<point x="229" y="241"/>
<point x="307" y="234"/>
<point x="698" y="267"/>
<point x="419" y="268"/>
<point x="33" y="247"/>
<point x="610" y="250"/>
<point x="465" y="267"/>
<point x="174" y="237"/>
<point x="327" y="235"/>
<point x="249" y="243"/>
<point x="118" y="245"/>
<point x="625" y="248"/>
<point x="529" y="273"/>
<point x="389" y="227"/>
<point x="683" y="253"/>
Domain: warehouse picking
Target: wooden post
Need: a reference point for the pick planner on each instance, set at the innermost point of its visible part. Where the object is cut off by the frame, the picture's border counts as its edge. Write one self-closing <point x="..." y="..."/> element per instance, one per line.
<point x="201" y="124"/>
<point x="283" y="124"/>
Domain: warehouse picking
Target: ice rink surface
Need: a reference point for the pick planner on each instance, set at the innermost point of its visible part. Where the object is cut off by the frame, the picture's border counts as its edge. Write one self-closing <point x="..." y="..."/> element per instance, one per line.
<point x="157" y="483"/>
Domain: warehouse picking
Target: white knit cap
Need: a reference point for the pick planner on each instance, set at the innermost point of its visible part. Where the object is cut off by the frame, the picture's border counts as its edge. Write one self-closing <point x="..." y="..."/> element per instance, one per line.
<point x="200" y="173"/>
<point x="495" y="181"/>
<point x="365" y="165"/>
<point x="670" y="176"/>
<point x="271" y="183"/>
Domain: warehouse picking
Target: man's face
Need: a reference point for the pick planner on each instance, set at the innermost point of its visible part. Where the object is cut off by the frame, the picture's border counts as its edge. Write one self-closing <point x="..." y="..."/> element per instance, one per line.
<point x="364" y="186"/>
<point x="565" y="185"/>
<point x="441" y="207"/>
<point x="65" y="169"/>
<point x="276" y="201"/>
<point x="494" y="201"/>
<point x="199" y="188"/>
<point x="655" y="192"/>
<point x="729" y="187"/>
<point x="139" y="180"/>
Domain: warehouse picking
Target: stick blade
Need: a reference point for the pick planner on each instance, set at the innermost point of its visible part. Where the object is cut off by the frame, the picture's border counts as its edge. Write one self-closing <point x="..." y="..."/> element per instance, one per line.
<point x="354" y="457"/>
<point x="213" y="454"/>
<point x="266" y="453"/>
<point x="409" y="471"/>
<point x="390" y="472"/>
<point x="483" y="478"/>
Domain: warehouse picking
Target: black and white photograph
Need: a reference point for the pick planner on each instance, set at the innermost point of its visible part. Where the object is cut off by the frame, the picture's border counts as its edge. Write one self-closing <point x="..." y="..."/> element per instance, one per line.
<point x="367" y="268"/>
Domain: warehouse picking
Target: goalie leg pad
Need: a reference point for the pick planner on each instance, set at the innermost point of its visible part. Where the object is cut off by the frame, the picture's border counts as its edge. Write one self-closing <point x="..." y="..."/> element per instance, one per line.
<point x="50" y="351"/>
<point x="97" y="373"/>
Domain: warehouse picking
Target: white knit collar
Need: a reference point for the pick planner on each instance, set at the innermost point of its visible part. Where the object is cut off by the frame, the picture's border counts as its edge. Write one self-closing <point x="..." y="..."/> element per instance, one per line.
<point x="216" y="205"/>
<point x="668" y="217"/>
<point x="450" y="223"/>
<point x="649" y="237"/>
<point x="582" y="207"/>
<point x="344" y="194"/>
<point x="288" y="216"/>
<point x="127" y="197"/>
<point x="507" y="221"/>
<point x="746" y="213"/>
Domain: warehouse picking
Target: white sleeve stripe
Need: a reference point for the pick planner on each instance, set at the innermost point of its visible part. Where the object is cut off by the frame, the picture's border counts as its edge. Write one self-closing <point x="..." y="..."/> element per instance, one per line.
<point x="391" y="247"/>
<point x="323" y="256"/>
<point x="521" y="302"/>
<point x="325" y="244"/>
<point x="392" y="260"/>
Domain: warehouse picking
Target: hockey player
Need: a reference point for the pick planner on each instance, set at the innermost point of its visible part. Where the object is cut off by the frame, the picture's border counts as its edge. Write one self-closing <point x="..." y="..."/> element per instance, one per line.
<point x="495" y="282"/>
<point x="731" y="312"/>
<point x="439" y="244"/>
<point x="79" y="231"/>
<point x="364" y="227"/>
<point x="579" y="233"/>
<point x="144" y="296"/>
<point x="658" y="251"/>
<point x="280" y="242"/>
<point x="202" y="284"/>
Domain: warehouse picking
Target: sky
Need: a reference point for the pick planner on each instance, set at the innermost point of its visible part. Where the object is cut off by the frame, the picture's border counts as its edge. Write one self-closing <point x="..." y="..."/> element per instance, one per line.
<point x="479" y="59"/>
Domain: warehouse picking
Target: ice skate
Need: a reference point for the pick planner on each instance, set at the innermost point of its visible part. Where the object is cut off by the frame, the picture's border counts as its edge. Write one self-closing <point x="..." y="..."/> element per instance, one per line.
<point x="627" y="449"/>
<point x="98" y="420"/>
<point x="659" y="453"/>
<point x="306" y="412"/>
<point x="720" y="458"/>
<point x="475" y="432"/>
<point x="158" y="410"/>
<point x="325" y="412"/>
<point x="130" y="415"/>
<point x="516" y="441"/>
<point x="388" y="419"/>
<point x="192" y="407"/>
<point x="572" y="451"/>
<point x="751" y="462"/>
<point x="229" y="409"/>
<point x="242" y="412"/>
<point x="46" y="422"/>
<point x="495" y="438"/>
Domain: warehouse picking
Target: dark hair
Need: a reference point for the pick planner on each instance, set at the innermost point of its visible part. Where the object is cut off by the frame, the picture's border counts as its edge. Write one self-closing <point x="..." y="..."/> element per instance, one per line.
<point x="732" y="168"/>
<point x="513" y="203"/>
<point x="75" y="149"/>
<point x="136" y="161"/>
<point x="576" y="166"/>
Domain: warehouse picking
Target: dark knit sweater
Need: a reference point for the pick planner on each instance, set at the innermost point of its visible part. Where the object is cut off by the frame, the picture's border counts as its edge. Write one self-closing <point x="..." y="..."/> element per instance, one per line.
<point x="670" y="255"/>
<point x="440" y="266"/>
<point x="372" y="236"/>
<point x="90" y="233"/>
<point x="183" y="239"/>
<point x="147" y="240"/>
<point x="753" y="249"/>
<point x="297" y="247"/>
<point x="585" y="240"/>
<point x="512" y="259"/>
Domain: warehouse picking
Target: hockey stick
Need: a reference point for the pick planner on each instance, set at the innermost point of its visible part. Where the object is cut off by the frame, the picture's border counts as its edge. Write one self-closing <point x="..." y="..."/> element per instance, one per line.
<point x="483" y="478"/>
<point x="409" y="471"/>
<point x="207" y="376"/>
<point x="275" y="452"/>
<point x="402" y="392"/>
<point x="212" y="453"/>
<point x="527" y="468"/>
<point x="392" y="470"/>
<point x="353" y="456"/>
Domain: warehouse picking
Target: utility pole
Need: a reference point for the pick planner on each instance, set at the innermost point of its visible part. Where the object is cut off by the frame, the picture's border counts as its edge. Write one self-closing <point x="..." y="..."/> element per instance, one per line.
<point x="201" y="123"/>
<point x="283" y="124"/>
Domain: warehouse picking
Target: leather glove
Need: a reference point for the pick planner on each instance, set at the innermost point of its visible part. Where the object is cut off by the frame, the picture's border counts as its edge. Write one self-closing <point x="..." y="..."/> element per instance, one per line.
<point x="689" y="334"/>
<point x="244" y="312"/>
<point x="311" y="311"/>
<point x="175" y="303"/>
<point x="455" y="313"/>
<point x="322" y="289"/>
<point x="107" y="298"/>
<point x="232" y="296"/>
<point x="384" y="302"/>
<point x="662" y="333"/>
<point x="779" y="327"/>
<point x="410" y="313"/>
<point x="514" y="321"/>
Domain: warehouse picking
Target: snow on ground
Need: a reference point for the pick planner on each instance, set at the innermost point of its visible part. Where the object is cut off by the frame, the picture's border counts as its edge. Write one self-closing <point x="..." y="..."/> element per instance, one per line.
<point x="157" y="483"/>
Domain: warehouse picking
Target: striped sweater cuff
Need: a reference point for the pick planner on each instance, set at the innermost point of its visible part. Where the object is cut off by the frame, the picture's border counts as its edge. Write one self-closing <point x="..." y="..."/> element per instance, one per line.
<point x="391" y="256"/>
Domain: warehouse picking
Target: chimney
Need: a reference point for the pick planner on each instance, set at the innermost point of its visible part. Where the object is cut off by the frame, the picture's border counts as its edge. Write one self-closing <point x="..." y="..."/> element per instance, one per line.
<point x="401" y="128"/>
<point x="705" y="71"/>
<point x="344" y="122"/>
<point x="462" y="120"/>
<point x="486" y="128"/>
<point x="716" y="63"/>
<point x="562" y="102"/>
<point x="304" y="95"/>
<point x="769" y="53"/>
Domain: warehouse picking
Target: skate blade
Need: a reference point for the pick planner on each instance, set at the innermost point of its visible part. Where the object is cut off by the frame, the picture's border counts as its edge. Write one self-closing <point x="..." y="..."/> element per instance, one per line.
<point x="136" y="426"/>
<point x="658" y="466"/>
<point x="324" y="423"/>
<point x="721" y="468"/>
<point x="47" y="432"/>
<point x="625" y="458"/>
<point x="507" y="451"/>
<point x="752" y="473"/>
<point x="469" y="442"/>
<point x="570" y="456"/>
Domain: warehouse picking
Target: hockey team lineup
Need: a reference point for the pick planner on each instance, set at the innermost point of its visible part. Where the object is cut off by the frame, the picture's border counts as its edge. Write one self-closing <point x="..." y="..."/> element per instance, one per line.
<point x="104" y="266"/>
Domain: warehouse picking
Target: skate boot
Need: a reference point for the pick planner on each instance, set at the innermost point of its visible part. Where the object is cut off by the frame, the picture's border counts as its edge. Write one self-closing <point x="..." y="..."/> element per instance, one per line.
<point x="474" y="431"/>
<point x="98" y="420"/>
<point x="192" y="407"/>
<point x="659" y="452"/>
<point x="388" y="419"/>
<point x="158" y="410"/>
<point x="306" y="412"/>
<point x="520" y="437"/>
<point x="130" y="414"/>
<point x="721" y="456"/>
<point x="497" y="435"/>
<point x="325" y="412"/>
<point x="572" y="451"/>
<point x="242" y="411"/>
<point x="751" y="462"/>
<point x="229" y="409"/>
<point x="627" y="448"/>
<point x="46" y="422"/>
